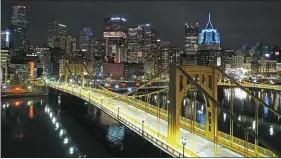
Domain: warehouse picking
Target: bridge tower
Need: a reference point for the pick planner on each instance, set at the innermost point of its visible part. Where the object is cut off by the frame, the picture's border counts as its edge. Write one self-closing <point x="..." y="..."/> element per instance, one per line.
<point x="78" y="69"/>
<point x="206" y="77"/>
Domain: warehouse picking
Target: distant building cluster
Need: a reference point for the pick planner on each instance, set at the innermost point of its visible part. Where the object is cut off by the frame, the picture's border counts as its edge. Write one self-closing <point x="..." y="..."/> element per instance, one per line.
<point x="125" y="52"/>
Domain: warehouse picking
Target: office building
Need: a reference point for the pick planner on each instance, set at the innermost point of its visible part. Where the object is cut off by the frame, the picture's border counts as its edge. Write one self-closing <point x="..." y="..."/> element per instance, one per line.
<point x="267" y="68"/>
<point x="174" y="55"/>
<point x="133" y="71"/>
<point x="5" y="62"/>
<point x="99" y="48"/>
<point x="144" y="39"/>
<point x="237" y="61"/>
<point x="115" y="36"/>
<point x="161" y="58"/>
<point x="87" y="41"/>
<point x="70" y="47"/>
<point x="19" y="73"/>
<point x="191" y="43"/>
<point x="19" y="26"/>
<point x="209" y="50"/>
<point x="133" y="46"/>
<point x="80" y="57"/>
<point x="5" y="38"/>
<point x="85" y="38"/>
<point x="57" y="33"/>
<point x="91" y="48"/>
<point x="113" y="71"/>
<point x="62" y="67"/>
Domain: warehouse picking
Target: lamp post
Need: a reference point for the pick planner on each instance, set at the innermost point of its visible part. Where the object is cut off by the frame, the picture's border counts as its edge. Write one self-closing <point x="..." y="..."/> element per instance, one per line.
<point x="183" y="141"/>
<point x="118" y="112"/>
<point x="101" y="101"/>
<point x="89" y="96"/>
<point x="142" y="126"/>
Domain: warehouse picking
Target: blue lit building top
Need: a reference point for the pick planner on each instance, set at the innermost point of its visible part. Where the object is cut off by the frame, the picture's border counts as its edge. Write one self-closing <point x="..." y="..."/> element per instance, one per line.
<point x="209" y="36"/>
<point x="91" y="33"/>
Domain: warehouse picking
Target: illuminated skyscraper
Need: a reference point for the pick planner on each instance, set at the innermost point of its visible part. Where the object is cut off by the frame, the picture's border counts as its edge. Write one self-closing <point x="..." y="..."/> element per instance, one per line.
<point x="87" y="41"/>
<point x="133" y="46"/>
<point x="191" y="39"/>
<point x="115" y="35"/>
<point x="191" y="43"/>
<point x="5" y="38"/>
<point x="209" y="49"/>
<point x="20" y="28"/>
<point x="84" y="38"/>
<point x="70" y="46"/>
<point x="57" y="34"/>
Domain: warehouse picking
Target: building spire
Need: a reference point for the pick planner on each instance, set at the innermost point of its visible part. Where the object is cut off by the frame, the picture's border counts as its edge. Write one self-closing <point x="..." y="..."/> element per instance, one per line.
<point x="209" y="23"/>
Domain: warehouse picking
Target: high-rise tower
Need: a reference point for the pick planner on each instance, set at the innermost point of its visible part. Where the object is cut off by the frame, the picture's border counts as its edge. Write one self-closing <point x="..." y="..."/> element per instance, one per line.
<point x="57" y="34"/>
<point x="209" y="50"/>
<point x="115" y="35"/>
<point x="20" y="28"/>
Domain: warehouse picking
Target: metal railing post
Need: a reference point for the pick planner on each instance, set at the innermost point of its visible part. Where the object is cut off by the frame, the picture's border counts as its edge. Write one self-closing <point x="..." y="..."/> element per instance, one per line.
<point x="256" y="126"/>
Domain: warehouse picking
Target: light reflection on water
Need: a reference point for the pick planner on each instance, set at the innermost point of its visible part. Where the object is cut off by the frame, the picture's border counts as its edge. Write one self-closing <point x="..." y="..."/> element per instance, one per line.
<point x="69" y="144"/>
<point x="115" y="135"/>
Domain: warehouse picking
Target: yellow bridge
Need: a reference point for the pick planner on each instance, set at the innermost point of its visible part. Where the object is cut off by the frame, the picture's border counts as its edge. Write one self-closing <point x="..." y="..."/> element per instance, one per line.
<point x="167" y="129"/>
<point x="252" y="85"/>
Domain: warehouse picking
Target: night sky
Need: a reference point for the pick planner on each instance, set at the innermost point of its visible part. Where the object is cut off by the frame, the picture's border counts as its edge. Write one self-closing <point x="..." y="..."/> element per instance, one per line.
<point x="238" y="22"/>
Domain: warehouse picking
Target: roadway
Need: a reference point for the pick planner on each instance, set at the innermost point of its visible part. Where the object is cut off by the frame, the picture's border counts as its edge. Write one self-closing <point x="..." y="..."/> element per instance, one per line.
<point x="199" y="145"/>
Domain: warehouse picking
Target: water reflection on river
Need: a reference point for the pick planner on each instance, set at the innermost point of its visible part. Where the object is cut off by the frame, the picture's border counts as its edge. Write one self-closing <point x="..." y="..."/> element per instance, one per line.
<point x="54" y="127"/>
<point x="244" y="109"/>
<point x="115" y="137"/>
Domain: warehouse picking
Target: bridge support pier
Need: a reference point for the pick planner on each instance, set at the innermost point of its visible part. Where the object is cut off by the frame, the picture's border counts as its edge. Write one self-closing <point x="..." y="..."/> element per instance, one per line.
<point x="173" y="107"/>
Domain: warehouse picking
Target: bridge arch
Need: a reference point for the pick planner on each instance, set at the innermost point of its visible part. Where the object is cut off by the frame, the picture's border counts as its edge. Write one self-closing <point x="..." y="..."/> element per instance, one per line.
<point x="192" y="101"/>
<point x="73" y="70"/>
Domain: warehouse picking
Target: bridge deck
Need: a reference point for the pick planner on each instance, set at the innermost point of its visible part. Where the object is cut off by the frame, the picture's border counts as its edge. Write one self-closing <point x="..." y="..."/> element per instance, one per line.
<point x="201" y="146"/>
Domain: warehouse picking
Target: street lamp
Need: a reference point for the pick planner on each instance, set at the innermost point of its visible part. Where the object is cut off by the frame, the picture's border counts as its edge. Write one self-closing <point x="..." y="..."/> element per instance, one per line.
<point x="118" y="112"/>
<point x="89" y="95"/>
<point x="183" y="141"/>
<point x="29" y="87"/>
<point x="101" y="101"/>
<point x="142" y="126"/>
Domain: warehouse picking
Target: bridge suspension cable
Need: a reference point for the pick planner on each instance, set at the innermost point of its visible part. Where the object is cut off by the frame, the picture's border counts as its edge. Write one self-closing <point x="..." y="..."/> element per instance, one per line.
<point x="127" y="93"/>
<point x="147" y="82"/>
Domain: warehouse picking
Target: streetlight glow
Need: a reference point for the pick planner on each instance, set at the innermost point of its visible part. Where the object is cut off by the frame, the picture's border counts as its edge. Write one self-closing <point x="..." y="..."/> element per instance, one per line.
<point x="71" y="150"/>
<point x="65" y="141"/>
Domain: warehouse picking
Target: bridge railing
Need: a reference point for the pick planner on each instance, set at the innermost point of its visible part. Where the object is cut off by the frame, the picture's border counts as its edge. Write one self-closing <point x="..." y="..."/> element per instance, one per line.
<point x="253" y="85"/>
<point x="157" y="138"/>
<point x="239" y="144"/>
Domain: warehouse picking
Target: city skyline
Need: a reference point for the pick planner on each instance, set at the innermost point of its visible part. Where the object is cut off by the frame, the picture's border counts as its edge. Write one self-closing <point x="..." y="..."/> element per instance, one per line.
<point x="261" y="27"/>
